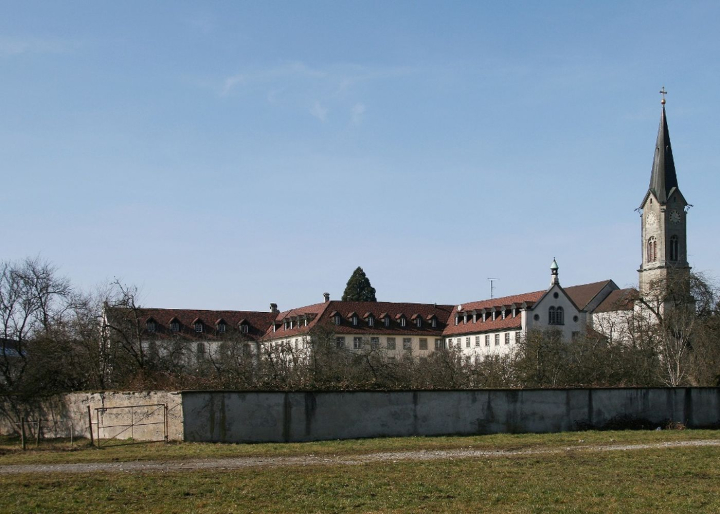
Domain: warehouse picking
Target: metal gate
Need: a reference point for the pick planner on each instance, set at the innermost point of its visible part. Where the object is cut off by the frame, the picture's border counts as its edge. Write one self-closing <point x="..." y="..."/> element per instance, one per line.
<point x="146" y="423"/>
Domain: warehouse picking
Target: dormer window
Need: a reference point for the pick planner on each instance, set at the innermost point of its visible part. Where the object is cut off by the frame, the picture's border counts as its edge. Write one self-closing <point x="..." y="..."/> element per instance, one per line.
<point x="336" y="318"/>
<point x="371" y="320"/>
<point x="174" y="325"/>
<point x="418" y="322"/>
<point x="198" y="327"/>
<point x="402" y="321"/>
<point x="244" y="328"/>
<point x="354" y="319"/>
<point x="221" y="327"/>
<point x="433" y="322"/>
<point x="386" y="320"/>
<point x="150" y="325"/>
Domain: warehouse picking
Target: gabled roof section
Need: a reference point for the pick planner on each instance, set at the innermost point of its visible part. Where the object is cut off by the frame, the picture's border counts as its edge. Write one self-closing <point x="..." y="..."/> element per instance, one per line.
<point x="584" y="294"/>
<point x="663" y="177"/>
<point x="619" y="300"/>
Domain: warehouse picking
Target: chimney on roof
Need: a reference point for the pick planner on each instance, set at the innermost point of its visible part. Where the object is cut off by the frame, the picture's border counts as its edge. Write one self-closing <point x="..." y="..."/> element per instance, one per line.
<point x="273" y="308"/>
<point x="327" y="297"/>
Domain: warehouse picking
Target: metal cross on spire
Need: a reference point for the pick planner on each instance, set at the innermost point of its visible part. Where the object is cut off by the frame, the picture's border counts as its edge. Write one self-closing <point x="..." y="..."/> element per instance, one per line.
<point x="663" y="93"/>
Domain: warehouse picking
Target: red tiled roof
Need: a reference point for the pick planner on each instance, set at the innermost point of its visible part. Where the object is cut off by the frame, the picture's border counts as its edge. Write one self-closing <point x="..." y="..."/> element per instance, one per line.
<point x="257" y="322"/>
<point x="489" y="325"/>
<point x="377" y="309"/>
<point x="583" y="294"/>
<point x="619" y="300"/>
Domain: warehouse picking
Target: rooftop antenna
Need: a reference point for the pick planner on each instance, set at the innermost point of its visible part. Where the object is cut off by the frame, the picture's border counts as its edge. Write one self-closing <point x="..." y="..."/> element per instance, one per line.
<point x="492" y="285"/>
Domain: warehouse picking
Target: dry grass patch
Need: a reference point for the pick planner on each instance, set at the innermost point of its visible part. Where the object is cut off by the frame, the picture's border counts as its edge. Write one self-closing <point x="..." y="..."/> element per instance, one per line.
<point x="656" y="480"/>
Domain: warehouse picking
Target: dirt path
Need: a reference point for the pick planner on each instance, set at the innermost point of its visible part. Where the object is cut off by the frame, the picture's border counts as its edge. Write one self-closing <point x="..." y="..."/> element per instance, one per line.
<point x="312" y="460"/>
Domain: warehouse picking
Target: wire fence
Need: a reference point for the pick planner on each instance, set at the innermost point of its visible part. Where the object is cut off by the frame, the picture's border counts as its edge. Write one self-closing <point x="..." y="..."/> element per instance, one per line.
<point x="44" y="428"/>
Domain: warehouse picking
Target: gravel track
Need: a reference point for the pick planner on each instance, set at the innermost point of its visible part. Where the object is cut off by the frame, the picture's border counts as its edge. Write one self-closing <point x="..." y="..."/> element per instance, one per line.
<point x="312" y="460"/>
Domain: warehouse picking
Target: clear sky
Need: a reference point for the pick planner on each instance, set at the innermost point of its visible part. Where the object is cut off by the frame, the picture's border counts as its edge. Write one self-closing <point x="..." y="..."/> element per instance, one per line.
<point x="233" y="154"/>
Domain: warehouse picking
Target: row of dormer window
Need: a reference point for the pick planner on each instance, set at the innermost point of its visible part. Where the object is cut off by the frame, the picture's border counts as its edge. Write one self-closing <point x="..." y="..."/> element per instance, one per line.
<point x="198" y="326"/>
<point x="484" y="315"/>
<point x="385" y="319"/>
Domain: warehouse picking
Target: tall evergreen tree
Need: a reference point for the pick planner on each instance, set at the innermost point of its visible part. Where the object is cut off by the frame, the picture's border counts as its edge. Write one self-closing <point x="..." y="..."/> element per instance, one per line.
<point x="358" y="288"/>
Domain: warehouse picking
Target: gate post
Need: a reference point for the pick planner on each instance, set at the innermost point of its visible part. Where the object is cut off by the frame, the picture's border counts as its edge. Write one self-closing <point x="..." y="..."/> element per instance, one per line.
<point x="90" y="426"/>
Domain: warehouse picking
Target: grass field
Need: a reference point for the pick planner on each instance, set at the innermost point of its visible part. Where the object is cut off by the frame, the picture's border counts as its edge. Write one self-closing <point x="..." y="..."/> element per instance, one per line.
<point x="573" y="480"/>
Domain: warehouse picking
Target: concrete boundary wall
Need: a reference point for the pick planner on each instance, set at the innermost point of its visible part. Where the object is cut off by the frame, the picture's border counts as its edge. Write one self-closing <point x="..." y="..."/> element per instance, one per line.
<point x="59" y="411"/>
<point x="239" y="417"/>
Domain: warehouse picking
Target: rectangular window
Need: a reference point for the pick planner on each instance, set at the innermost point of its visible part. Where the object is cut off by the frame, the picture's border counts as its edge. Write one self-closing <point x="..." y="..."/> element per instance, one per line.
<point x="497" y="339"/>
<point x="151" y="326"/>
<point x="357" y="343"/>
<point x="439" y="344"/>
<point x="390" y="343"/>
<point x="407" y="343"/>
<point x="221" y="328"/>
<point x="340" y="343"/>
<point x="467" y="342"/>
<point x="374" y="343"/>
<point x="402" y="322"/>
<point x="477" y="341"/>
<point x="507" y="337"/>
<point x="517" y="337"/>
<point x="423" y="343"/>
<point x="487" y="340"/>
<point x="198" y="327"/>
<point x="434" y="323"/>
<point x="200" y="349"/>
<point x="449" y="342"/>
<point x="371" y="321"/>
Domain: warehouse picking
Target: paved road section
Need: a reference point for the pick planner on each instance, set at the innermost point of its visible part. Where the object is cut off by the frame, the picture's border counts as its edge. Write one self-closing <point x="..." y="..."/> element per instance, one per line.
<point x="312" y="460"/>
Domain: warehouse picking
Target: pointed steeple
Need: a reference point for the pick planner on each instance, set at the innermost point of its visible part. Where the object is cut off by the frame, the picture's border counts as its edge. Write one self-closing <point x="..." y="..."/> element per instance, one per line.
<point x="663" y="177"/>
<point x="554" y="278"/>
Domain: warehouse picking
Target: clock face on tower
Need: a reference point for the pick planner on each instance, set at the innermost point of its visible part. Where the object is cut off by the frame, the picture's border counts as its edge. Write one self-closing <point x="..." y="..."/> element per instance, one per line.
<point x="651" y="219"/>
<point x="675" y="217"/>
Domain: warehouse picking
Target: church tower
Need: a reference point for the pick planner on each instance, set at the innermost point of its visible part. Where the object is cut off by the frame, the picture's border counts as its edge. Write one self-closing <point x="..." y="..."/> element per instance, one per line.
<point x="663" y="219"/>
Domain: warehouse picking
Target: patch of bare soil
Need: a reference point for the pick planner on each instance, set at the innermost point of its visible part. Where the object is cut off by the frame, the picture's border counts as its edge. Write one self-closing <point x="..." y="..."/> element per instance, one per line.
<point x="311" y="460"/>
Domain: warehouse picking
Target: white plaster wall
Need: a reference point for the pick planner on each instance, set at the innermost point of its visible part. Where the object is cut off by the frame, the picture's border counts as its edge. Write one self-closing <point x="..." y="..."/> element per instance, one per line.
<point x="61" y="412"/>
<point x="541" y="309"/>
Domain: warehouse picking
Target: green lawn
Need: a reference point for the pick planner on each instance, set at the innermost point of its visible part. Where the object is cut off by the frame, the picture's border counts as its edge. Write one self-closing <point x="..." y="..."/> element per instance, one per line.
<point x="655" y="480"/>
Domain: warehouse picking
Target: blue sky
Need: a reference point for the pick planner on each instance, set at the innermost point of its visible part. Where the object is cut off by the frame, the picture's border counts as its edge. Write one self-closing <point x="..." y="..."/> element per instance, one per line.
<point x="233" y="154"/>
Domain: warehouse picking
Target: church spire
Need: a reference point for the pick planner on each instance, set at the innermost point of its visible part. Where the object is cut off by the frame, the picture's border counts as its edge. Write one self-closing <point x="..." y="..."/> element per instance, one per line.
<point x="663" y="178"/>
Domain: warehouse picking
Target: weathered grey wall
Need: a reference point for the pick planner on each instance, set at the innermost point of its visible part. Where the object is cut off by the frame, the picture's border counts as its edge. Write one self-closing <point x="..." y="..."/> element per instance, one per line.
<point x="307" y="416"/>
<point x="58" y="412"/>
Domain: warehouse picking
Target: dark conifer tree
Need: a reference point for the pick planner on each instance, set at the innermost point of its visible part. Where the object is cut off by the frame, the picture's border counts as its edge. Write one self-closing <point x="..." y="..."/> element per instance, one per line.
<point x="358" y="288"/>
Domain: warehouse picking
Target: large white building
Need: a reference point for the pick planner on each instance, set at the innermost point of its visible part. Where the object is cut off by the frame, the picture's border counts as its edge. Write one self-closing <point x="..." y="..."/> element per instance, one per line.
<point x="477" y="328"/>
